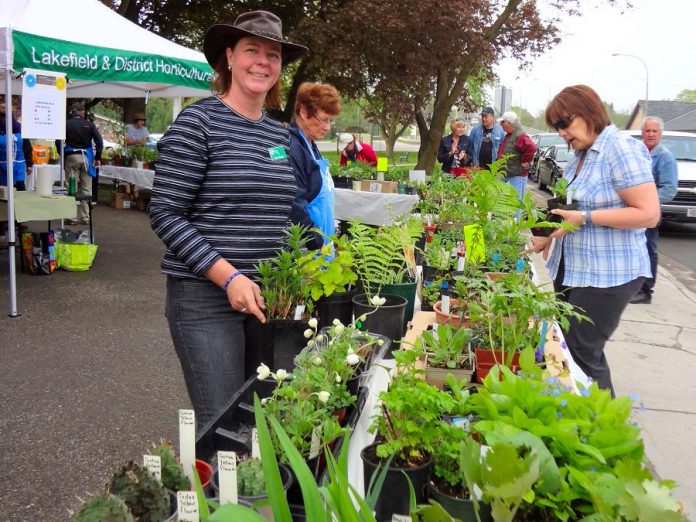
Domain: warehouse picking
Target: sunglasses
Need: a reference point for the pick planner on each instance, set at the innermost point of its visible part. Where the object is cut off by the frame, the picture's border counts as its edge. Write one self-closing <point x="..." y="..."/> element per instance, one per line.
<point x="564" y="122"/>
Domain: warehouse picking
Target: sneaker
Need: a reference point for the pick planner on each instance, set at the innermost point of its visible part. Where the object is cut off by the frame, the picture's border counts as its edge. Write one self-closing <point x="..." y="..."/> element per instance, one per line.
<point x="71" y="222"/>
<point x="85" y="221"/>
<point x="641" y="298"/>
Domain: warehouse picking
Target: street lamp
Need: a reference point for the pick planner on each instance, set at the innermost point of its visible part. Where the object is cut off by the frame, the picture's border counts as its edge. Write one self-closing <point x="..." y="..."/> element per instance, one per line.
<point x="646" y="76"/>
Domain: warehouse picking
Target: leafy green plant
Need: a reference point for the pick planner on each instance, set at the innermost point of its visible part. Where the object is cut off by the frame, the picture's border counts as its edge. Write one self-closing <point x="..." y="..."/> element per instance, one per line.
<point x="398" y="174"/>
<point x="409" y="422"/>
<point x="283" y="279"/>
<point x="330" y="270"/>
<point x="384" y="255"/>
<point x="356" y="170"/>
<point x="446" y="347"/>
<point x="560" y="189"/>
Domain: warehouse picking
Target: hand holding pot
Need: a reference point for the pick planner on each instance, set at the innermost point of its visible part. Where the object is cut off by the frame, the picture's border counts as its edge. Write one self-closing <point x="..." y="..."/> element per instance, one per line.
<point x="572" y="217"/>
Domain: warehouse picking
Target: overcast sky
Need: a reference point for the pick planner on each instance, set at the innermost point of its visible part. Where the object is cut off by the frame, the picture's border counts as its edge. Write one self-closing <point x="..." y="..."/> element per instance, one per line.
<point x="661" y="32"/>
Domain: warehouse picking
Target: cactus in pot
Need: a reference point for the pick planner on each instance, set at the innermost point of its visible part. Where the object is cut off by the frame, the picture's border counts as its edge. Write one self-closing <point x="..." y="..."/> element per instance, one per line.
<point x="144" y="495"/>
<point x="102" y="508"/>
<point x="172" y="472"/>
<point x="250" y="481"/>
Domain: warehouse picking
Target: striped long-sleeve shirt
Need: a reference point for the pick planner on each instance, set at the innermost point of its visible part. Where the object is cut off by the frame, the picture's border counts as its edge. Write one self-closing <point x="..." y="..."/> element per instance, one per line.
<point x="218" y="193"/>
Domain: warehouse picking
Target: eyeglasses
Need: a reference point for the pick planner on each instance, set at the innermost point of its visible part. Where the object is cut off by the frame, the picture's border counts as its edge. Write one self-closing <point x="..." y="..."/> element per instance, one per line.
<point x="325" y="123"/>
<point x="564" y="122"/>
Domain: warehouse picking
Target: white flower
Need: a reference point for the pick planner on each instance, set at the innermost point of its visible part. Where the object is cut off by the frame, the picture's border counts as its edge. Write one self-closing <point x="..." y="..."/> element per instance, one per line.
<point x="281" y="375"/>
<point x="377" y="300"/>
<point x="316" y="360"/>
<point x="263" y="371"/>
<point x="308" y="333"/>
<point x="313" y="322"/>
<point x="323" y="396"/>
<point x="336" y="322"/>
<point x="311" y="343"/>
<point x="380" y="342"/>
<point x="352" y="359"/>
<point x="264" y="401"/>
<point x="362" y="318"/>
<point x="338" y="377"/>
<point x="338" y="328"/>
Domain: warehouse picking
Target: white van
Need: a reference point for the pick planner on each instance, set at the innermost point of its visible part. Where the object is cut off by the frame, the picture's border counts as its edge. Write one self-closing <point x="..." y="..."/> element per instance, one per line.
<point x="683" y="146"/>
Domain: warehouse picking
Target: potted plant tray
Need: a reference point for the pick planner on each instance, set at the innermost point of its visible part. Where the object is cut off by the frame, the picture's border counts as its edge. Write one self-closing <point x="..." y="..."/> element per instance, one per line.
<point x="437" y="376"/>
<point x="454" y="319"/>
<point x="486" y="359"/>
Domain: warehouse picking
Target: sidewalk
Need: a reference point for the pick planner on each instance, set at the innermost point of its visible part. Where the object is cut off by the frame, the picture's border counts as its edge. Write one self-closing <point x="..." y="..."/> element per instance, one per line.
<point x="653" y="358"/>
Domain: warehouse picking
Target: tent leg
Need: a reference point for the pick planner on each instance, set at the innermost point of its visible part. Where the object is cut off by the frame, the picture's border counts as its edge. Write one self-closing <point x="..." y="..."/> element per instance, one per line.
<point x="10" y="197"/>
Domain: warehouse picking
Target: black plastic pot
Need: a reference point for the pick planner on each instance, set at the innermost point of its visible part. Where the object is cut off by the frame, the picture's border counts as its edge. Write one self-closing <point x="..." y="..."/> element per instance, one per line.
<point x="544" y="231"/>
<point x="460" y="508"/>
<point x="558" y="203"/>
<point x="407" y="290"/>
<point x="275" y="343"/>
<point x="336" y="306"/>
<point x="387" y="320"/>
<point x="394" y="495"/>
<point x="342" y="182"/>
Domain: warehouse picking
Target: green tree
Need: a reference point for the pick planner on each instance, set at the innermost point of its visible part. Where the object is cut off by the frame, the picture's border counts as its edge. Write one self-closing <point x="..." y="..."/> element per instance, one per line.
<point x="687" y="95"/>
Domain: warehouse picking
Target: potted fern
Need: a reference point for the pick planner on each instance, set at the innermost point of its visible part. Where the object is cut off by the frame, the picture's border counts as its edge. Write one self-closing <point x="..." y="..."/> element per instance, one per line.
<point x="384" y="259"/>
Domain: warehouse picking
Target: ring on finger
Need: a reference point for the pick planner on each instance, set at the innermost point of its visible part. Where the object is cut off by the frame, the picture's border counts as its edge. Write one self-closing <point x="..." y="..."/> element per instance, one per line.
<point x="243" y="310"/>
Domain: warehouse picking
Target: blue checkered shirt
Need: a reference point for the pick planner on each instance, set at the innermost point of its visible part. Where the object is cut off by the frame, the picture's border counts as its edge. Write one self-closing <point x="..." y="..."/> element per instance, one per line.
<point x="595" y="255"/>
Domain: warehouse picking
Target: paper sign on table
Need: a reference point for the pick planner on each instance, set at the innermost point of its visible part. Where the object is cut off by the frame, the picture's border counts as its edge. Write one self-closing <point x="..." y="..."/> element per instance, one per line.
<point x="227" y="463"/>
<point x="416" y="175"/>
<point x="187" y="506"/>
<point x="153" y="463"/>
<point x="382" y="164"/>
<point x="187" y="442"/>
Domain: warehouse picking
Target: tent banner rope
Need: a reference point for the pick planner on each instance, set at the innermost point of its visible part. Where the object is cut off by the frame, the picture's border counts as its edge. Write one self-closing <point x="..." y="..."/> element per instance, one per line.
<point x="88" y="62"/>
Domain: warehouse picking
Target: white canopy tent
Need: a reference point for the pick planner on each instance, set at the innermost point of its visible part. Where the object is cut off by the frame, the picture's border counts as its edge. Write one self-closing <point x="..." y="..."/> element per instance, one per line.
<point x="103" y="55"/>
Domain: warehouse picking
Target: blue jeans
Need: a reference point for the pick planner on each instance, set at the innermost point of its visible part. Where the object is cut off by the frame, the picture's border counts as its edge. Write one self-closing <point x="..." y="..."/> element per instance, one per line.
<point x="651" y="237"/>
<point x="209" y="340"/>
<point x="519" y="183"/>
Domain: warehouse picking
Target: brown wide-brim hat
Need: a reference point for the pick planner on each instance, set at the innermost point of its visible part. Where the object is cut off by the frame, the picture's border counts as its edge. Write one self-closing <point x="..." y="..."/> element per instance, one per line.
<point x="261" y="24"/>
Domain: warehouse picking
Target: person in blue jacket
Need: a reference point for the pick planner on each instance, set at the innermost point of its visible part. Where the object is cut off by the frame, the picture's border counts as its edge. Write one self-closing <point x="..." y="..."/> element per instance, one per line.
<point x="316" y="107"/>
<point x="21" y="152"/>
<point x="485" y="140"/>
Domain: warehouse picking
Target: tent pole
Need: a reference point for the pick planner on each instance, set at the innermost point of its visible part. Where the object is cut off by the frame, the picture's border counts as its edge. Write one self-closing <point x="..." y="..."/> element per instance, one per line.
<point x="11" y="238"/>
<point x="176" y="107"/>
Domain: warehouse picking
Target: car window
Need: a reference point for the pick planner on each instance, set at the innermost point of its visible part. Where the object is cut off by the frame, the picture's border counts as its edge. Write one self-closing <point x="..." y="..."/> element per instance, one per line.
<point x="683" y="147"/>
<point x="552" y="139"/>
<point x="563" y="154"/>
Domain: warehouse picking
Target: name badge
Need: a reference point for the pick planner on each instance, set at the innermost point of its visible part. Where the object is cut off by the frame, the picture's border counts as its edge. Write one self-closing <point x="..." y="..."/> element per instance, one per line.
<point x="277" y="153"/>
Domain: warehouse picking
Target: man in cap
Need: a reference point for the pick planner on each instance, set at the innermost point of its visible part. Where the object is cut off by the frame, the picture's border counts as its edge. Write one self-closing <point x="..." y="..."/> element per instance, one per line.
<point x="354" y="150"/>
<point x="137" y="133"/>
<point x="485" y="140"/>
<point x="80" y="158"/>
<point x="519" y="148"/>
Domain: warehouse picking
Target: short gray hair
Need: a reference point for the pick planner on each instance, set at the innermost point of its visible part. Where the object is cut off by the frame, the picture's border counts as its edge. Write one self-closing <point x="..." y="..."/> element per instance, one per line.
<point x="511" y="118"/>
<point x="660" y="122"/>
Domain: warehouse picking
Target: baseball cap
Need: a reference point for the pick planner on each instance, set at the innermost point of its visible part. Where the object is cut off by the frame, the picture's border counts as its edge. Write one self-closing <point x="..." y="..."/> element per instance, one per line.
<point x="487" y="110"/>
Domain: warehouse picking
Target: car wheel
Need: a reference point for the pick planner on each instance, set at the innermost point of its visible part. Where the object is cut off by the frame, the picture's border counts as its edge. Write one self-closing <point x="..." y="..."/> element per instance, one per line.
<point x="542" y="185"/>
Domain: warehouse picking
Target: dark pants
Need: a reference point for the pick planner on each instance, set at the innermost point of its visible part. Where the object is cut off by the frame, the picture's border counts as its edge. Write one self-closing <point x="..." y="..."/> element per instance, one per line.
<point x="209" y="340"/>
<point x="651" y="237"/>
<point x="586" y="340"/>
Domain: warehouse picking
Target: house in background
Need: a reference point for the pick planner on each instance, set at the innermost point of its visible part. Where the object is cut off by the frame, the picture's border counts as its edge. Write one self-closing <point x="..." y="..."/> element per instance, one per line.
<point x="678" y="116"/>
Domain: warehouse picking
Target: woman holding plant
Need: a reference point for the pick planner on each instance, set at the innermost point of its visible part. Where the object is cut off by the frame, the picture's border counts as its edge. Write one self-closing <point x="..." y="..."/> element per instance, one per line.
<point x="317" y="106"/>
<point x="221" y="201"/>
<point x="600" y="266"/>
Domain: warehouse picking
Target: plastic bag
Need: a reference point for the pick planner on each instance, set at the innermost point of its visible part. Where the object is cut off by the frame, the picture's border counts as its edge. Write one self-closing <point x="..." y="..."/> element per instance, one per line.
<point x="75" y="257"/>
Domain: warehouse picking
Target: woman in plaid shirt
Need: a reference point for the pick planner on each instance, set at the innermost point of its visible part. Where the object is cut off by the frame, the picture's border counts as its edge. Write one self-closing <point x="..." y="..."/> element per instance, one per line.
<point x="600" y="266"/>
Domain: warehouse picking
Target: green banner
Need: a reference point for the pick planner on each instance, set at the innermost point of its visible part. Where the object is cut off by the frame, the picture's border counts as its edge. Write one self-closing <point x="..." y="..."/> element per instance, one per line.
<point x="86" y="62"/>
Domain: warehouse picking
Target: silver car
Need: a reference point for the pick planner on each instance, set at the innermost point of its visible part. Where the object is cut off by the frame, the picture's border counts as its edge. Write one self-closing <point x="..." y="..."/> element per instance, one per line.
<point x="552" y="163"/>
<point x="542" y="141"/>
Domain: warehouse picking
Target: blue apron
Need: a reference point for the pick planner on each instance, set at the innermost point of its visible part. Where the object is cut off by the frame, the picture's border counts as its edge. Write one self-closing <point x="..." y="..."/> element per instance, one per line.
<point x="87" y="155"/>
<point x="321" y="208"/>
<point x="18" y="163"/>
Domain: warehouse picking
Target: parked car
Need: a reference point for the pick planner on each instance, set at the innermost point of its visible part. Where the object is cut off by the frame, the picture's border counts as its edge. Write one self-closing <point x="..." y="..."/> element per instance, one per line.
<point x="152" y="140"/>
<point x="542" y="141"/>
<point x="683" y="146"/>
<point x="552" y="163"/>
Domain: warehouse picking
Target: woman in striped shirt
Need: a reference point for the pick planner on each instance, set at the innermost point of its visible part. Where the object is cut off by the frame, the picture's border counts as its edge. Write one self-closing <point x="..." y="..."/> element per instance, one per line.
<point x="222" y="196"/>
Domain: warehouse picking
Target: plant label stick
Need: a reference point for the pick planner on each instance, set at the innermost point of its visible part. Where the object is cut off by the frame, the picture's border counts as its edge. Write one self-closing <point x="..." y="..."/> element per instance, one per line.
<point x="153" y="463"/>
<point x="188" y="506"/>
<point x="187" y="441"/>
<point x="299" y="310"/>
<point x="401" y="518"/>
<point x="255" y="451"/>
<point x="227" y="462"/>
<point x="315" y="445"/>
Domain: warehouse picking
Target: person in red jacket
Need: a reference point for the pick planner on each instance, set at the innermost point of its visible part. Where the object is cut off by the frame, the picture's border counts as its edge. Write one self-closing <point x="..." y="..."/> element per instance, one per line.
<point x="354" y="150"/>
<point x="519" y="148"/>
